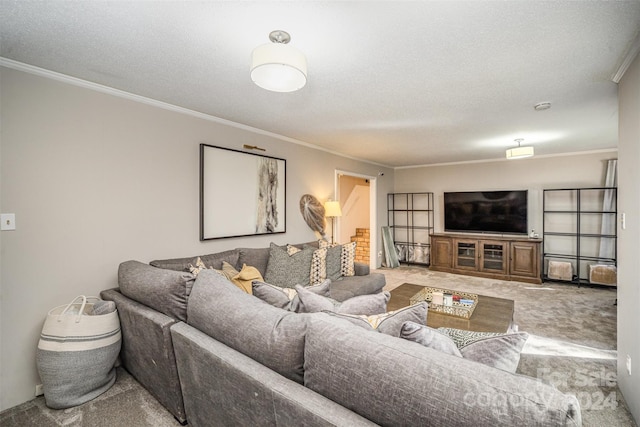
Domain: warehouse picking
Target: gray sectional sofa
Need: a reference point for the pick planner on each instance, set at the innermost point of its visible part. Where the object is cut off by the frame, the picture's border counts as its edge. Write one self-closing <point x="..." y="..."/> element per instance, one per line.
<point x="217" y="356"/>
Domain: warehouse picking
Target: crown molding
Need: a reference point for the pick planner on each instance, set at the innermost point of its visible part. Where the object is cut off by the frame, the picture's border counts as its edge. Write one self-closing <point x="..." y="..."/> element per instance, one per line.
<point x="632" y="52"/>
<point x="502" y="159"/>
<point x="31" y="69"/>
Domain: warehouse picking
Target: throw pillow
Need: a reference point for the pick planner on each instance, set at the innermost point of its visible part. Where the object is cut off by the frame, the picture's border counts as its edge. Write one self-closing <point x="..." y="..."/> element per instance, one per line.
<point x="287" y="270"/>
<point x="334" y="259"/>
<point x="347" y="259"/>
<point x="274" y="295"/>
<point x="291" y="250"/>
<point x="429" y="337"/>
<point x="389" y="323"/>
<point x="242" y="278"/>
<point x="286" y="298"/>
<point x="195" y="269"/>
<point x="500" y="351"/>
<point x="318" y="271"/>
<point x="462" y="337"/>
<point x="361" y="305"/>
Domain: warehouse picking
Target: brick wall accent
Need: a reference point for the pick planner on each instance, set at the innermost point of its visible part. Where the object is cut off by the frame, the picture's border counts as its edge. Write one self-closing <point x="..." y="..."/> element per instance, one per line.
<point x="363" y="243"/>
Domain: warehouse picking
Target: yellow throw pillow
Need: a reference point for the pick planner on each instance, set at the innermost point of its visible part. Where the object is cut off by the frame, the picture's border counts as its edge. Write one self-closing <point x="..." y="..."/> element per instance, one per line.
<point x="242" y="278"/>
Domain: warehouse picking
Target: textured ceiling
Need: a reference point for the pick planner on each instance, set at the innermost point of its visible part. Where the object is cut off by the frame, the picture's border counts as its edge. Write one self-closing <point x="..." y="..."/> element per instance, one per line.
<point x="395" y="83"/>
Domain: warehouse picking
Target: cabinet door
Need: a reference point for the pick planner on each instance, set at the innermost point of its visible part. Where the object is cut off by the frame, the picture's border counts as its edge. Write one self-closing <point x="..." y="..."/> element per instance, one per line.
<point x="493" y="256"/>
<point x="441" y="252"/>
<point x="466" y="254"/>
<point x="524" y="259"/>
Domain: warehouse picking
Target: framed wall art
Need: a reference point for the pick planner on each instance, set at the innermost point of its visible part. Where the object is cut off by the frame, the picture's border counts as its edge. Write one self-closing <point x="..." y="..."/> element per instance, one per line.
<point x="241" y="194"/>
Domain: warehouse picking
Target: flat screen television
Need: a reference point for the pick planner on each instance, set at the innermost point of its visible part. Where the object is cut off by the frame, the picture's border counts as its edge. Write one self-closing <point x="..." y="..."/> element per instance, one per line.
<point x="486" y="211"/>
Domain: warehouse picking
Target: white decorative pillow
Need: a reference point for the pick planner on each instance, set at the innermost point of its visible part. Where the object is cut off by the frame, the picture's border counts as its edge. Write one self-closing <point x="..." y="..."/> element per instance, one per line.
<point x="347" y="259"/>
<point x="292" y="250"/>
<point x="318" y="266"/>
<point x="198" y="267"/>
<point x="195" y="270"/>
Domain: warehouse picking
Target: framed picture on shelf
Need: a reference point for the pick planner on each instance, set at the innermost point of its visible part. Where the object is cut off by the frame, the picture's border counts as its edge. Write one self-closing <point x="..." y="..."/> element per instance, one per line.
<point x="241" y="194"/>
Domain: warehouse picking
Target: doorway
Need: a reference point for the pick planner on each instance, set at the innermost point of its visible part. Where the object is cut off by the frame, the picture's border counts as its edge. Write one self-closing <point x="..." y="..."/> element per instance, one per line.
<point x="357" y="196"/>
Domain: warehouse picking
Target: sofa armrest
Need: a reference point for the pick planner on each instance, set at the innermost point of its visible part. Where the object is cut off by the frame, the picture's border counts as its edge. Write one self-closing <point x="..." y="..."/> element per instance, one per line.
<point x="361" y="268"/>
<point x="147" y="350"/>
<point x="224" y="387"/>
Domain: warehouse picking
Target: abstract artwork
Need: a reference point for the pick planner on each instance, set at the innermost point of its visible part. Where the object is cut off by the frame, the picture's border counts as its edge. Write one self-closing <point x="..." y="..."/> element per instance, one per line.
<point x="241" y="194"/>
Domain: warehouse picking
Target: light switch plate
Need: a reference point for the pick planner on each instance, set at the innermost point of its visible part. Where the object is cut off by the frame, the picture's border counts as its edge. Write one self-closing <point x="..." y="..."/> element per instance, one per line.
<point x="7" y="221"/>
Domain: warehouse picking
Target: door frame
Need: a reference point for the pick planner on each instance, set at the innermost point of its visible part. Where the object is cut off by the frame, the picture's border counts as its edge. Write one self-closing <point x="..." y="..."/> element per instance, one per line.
<point x="373" y="210"/>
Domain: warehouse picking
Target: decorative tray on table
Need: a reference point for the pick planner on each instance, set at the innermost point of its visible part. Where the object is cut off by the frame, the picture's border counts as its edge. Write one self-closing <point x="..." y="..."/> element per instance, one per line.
<point x="462" y="304"/>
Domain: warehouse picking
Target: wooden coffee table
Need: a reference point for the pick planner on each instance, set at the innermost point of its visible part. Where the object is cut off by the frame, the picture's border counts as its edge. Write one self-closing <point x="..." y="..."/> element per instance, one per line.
<point x="491" y="314"/>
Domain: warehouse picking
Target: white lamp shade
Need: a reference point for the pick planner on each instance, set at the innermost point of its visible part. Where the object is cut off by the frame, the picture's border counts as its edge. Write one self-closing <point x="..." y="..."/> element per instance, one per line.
<point x="332" y="209"/>
<point x="278" y="67"/>
<point x="519" y="152"/>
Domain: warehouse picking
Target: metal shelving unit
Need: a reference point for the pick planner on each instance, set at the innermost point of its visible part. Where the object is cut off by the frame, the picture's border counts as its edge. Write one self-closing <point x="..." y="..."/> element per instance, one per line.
<point x="578" y="229"/>
<point x="410" y="218"/>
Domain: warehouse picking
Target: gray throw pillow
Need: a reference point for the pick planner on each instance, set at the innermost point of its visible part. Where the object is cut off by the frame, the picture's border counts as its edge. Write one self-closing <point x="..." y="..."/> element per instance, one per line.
<point x="334" y="262"/>
<point x="501" y="351"/>
<point x="429" y="337"/>
<point x="389" y="323"/>
<point x="286" y="270"/>
<point x="363" y="305"/>
<point x="286" y="298"/>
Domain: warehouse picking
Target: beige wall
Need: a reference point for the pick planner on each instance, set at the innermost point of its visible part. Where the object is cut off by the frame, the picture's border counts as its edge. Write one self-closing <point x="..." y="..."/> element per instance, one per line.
<point x="533" y="174"/>
<point x="628" y="265"/>
<point x="96" y="179"/>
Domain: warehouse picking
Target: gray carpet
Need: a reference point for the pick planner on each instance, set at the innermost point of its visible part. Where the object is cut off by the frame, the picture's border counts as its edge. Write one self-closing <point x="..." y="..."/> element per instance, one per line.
<point x="573" y="335"/>
<point x="572" y="345"/>
<point x="127" y="403"/>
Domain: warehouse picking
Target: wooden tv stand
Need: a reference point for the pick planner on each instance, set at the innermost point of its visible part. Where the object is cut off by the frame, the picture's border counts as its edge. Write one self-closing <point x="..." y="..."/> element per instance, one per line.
<point x="497" y="257"/>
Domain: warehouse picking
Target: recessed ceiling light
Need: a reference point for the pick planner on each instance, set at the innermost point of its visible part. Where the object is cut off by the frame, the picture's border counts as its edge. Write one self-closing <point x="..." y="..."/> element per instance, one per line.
<point x="542" y="106"/>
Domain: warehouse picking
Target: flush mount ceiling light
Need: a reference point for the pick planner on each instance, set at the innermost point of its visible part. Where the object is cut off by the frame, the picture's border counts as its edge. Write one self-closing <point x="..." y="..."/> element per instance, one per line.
<point x="541" y="106"/>
<point x="277" y="66"/>
<point x="519" y="152"/>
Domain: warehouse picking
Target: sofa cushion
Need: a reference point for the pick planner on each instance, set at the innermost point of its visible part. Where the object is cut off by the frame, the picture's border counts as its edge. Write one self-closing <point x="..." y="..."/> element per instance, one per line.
<point x="364" y="304"/>
<point x="286" y="298"/>
<point x="164" y="290"/>
<point x="386" y="379"/>
<point x="210" y="261"/>
<point x="256" y="257"/>
<point x="288" y="270"/>
<point x="389" y="323"/>
<point x="269" y="335"/>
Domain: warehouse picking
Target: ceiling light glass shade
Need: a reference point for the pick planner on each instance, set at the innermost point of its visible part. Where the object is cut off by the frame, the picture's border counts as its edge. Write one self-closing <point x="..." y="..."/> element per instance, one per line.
<point x="519" y="152"/>
<point x="278" y="67"/>
<point x="332" y="209"/>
